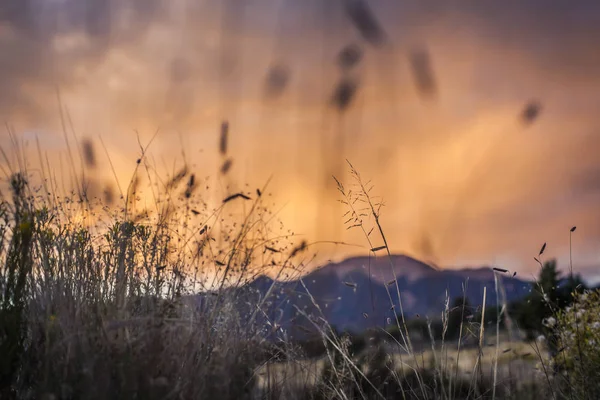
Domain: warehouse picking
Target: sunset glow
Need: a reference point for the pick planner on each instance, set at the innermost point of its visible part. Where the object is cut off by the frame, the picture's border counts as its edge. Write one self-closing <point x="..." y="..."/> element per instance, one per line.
<point x="465" y="179"/>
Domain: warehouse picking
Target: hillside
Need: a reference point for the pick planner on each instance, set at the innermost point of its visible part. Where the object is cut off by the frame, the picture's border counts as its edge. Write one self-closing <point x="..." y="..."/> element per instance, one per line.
<point x="347" y="300"/>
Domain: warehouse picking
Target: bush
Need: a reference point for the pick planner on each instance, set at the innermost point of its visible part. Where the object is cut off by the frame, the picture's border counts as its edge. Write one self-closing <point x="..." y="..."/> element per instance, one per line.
<point x="577" y="329"/>
<point x="122" y="311"/>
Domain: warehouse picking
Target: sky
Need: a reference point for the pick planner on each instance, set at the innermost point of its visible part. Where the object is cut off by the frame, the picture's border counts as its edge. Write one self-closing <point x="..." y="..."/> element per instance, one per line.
<point x="430" y="109"/>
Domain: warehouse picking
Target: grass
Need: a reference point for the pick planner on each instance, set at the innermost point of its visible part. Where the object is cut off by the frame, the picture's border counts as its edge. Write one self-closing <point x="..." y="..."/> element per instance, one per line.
<point x="111" y="309"/>
<point x="149" y="307"/>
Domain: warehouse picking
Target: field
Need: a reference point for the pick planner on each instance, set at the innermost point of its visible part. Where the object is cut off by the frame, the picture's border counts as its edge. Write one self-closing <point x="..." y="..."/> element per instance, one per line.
<point x="299" y="199"/>
<point x="115" y="313"/>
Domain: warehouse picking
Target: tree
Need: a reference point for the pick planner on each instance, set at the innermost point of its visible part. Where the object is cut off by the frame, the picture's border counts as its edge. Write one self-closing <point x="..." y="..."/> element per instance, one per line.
<point x="460" y="309"/>
<point x="573" y="284"/>
<point x="548" y="282"/>
<point x="539" y="304"/>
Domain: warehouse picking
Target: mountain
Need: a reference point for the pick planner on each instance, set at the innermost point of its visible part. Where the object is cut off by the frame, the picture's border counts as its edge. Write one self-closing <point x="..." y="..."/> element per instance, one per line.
<point x="343" y="294"/>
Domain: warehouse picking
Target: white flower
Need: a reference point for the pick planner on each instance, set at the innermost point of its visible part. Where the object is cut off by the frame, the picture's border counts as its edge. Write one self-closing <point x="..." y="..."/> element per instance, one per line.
<point x="584" y="296"/>
<point x="546" y="299"/>
<point x="580" y="313"/>
<point x="592" y="342"/>
<point x="541" y="338"/>
<point x="596" y="325"/>
<point x="549" y="322"/>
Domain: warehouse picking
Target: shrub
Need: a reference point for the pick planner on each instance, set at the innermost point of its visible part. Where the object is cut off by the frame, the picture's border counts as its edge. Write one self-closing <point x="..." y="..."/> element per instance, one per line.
<point x="577" y="329"/>
<point x="124" y="311"/>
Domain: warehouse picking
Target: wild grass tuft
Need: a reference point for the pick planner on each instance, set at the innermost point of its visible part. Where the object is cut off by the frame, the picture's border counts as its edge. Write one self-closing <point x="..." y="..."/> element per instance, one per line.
<point x="154" y="304"/>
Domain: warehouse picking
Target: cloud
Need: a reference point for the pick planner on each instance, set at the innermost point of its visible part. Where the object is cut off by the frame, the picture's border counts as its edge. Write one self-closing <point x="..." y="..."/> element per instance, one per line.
<point x="462" y="176"/>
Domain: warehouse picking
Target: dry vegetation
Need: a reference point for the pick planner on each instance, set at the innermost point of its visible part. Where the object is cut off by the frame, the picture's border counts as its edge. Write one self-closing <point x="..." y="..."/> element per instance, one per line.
<point x="148" y="307"/>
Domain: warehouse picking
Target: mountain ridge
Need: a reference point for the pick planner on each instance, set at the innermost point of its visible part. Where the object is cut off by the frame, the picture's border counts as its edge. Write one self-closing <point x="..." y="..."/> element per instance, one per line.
<point x="342" y="293"/>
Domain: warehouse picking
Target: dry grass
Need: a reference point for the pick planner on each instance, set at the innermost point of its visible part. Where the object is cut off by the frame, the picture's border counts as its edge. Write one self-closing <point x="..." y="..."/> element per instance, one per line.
<point x="154" y="305"/>
<point x="128" y="307"/>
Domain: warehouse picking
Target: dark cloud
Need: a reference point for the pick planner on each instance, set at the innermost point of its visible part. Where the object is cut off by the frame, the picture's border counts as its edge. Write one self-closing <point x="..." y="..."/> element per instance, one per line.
<point x="98" y="18"/>
<point x="31" y="57"/>
<point x="560" y="35"/>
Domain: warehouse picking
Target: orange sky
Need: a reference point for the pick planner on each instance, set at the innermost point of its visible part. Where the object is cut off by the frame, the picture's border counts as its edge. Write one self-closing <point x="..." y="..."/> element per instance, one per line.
<point x="464" y="181"/>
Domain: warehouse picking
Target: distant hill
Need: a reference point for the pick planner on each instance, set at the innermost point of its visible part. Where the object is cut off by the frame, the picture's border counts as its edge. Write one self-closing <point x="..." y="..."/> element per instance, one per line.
<point x="348" y="301"/>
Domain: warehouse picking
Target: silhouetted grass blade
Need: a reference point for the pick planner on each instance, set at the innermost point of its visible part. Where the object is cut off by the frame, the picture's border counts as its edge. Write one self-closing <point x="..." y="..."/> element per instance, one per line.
<point x="344" y="93"/>
<point x="224" y="137"/>
<point x="531" y="112"/>
<point x="226" y="166"/>
<point x="88" y="153"/>
<point x="277" y="80"/>
<point x="423" y="75"/>
<point x="365" y="22"/>
<point x="349" y="57"/>
<point x="301" y="247"/>
<point x="236" y="196"/>
<point x="109" y="195"/>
